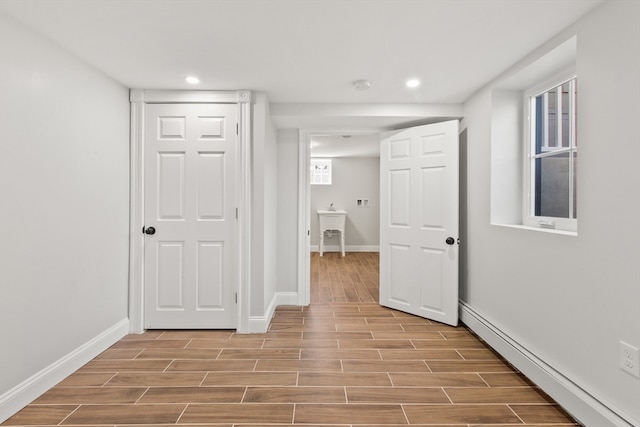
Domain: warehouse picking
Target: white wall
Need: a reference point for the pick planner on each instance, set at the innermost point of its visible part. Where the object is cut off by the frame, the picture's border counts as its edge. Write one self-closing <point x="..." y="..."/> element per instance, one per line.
<point x="264" y="199"/>
<point x="64" y="186"/>
<point x="569" y="300"/>
<point x="353" y="177"/>
<point x="270" y="211"/>
<point x="287" y="224"/>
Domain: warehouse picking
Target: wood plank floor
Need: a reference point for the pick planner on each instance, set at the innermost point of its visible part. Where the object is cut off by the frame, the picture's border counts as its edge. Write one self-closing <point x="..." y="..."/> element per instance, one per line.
<point x="342" y="361"/>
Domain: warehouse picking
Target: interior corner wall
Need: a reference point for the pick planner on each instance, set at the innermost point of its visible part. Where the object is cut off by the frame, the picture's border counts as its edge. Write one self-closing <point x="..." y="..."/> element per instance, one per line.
<point x="287" y="207"/>
<point x="570" y="300"/>
<point x="256" y="302"/>
<point x="64" y="212"/>
<point x="270" y="210"/>
<point x="264" y="211"/>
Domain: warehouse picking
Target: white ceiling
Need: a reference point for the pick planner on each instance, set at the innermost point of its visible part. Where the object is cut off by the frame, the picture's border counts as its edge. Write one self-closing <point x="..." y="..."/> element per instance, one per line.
<point x="305" y="51"/>
<point x="345" y="145"/>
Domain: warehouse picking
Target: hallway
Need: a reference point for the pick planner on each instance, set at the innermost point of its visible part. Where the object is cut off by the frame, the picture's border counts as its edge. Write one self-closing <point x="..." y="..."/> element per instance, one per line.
<point x="352" y="278"/>
<point x="342" y="361"/>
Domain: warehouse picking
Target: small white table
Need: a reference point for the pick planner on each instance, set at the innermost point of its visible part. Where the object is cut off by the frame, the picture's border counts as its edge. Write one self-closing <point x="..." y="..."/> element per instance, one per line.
<point x="334" y="221"/>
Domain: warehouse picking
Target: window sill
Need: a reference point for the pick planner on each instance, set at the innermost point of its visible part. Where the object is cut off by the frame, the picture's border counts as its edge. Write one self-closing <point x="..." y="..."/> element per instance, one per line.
<point x="540" y="229"/>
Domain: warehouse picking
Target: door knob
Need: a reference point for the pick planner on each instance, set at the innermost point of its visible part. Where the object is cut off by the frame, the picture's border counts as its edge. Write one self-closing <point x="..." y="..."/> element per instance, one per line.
<point x="150" y="231"/>
<point x="450" y="241"/>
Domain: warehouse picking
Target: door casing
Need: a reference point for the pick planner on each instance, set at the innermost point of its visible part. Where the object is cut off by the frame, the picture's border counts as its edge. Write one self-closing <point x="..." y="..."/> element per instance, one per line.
<point x="139" y="98"/>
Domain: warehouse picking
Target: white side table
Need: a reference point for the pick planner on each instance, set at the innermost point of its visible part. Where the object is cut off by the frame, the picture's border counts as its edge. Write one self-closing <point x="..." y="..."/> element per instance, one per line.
<point x="334" y="221"/>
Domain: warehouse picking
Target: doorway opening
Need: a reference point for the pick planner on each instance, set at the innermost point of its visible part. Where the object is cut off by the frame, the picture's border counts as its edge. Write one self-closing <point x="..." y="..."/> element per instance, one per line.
<point x="354" y="157"/>
<point x="418" y="205"/>
<point x="344" y="178"/>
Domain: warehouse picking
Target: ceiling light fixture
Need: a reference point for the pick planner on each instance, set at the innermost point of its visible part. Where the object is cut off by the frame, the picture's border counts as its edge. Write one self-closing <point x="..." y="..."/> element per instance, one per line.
<point x="362" y="84"/>
<point x="412" y="83"/>
<point x="192" y="80"/>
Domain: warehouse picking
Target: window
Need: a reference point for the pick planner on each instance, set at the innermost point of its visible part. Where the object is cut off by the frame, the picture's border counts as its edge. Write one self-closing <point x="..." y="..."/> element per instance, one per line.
<point x="552" y="155"/>
<point x="320" y="172"/>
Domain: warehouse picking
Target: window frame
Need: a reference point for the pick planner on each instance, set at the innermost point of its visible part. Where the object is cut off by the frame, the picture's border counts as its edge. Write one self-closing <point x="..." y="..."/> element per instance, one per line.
<point x="529" y="156"/>
<point x="315" y="161"/>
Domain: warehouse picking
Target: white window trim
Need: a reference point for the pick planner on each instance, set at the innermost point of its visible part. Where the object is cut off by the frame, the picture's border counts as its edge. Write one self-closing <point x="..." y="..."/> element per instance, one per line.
<point x="329" y="162"/>
<point x="528" y="219"/>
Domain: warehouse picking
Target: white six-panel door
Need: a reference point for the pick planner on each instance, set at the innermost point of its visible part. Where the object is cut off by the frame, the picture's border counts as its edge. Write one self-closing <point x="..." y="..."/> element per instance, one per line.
<point x="190" y="201"/>
<point x="418" y="213"/>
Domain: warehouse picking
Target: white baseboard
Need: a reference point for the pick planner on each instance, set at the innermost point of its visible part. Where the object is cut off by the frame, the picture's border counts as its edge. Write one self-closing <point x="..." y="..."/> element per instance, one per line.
<point x="580" y="403"/>
<point x="26" y="392"/>
<point x="260" y="324"/>
<point x="347" y="248"/>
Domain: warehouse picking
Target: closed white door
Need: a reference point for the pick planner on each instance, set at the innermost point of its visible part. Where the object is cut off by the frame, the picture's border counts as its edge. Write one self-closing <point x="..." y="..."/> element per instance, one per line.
<point x="419" y="221"/>
<point x="190" y="216"/>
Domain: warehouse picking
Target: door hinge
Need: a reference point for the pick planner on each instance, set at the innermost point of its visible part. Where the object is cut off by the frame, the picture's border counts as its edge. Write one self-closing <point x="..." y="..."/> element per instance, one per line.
<point x="236" y="297"/>
<point x="236" y="213"/>
<point x="237" y="129"/>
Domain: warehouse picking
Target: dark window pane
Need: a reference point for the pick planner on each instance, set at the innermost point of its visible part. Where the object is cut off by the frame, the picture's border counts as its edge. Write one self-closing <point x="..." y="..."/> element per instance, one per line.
<point x="552" y="186"/>
<point x="553" y="126"/>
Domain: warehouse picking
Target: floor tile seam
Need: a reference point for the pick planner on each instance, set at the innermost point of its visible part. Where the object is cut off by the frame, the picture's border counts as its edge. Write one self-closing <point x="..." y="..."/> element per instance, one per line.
<point x="447" y="394"/>
<point x="171" y="362"/>
<point x="406" y="417"/>
<point x="68" y="415"/>
<point x="516" y="414"/>
<point x="182" y="413"/>
<point x="244" y="394"/>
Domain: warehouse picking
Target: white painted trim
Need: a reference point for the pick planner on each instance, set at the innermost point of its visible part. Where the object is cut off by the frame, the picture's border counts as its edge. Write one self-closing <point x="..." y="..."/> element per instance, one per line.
<point x="196" y="96"/>
<point x="27" y="391"/>
<point x="382" y="111"/>
<point x="286" y="298"/>
<point x="244" y="219"/>
<point x="136" y="213"/>
<point x="138" y="99"/>
<point x="347" y="248"/>
<point x="260" y="324"/>
<point x="304" y="220"/>
<point x="582" y="404"/>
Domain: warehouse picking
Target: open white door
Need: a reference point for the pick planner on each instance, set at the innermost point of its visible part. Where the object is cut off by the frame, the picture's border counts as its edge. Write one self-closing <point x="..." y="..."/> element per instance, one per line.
<point x="419" y="221"/>
<point x="190" y="216"/>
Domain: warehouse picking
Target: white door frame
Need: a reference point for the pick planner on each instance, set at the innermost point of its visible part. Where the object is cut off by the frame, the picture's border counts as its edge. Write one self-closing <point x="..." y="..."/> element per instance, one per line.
<point x="138" y="99"/>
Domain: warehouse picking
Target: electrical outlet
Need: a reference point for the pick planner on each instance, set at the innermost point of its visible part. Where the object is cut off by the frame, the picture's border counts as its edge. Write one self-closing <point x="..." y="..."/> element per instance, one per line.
<point x="362" y="203"/>
<point x="630" y="359"/>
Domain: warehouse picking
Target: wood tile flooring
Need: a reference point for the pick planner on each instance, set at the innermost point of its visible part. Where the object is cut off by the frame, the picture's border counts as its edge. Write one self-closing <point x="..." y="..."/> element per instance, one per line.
<point x="352" y="278"/>
<point x="333" y="364"/>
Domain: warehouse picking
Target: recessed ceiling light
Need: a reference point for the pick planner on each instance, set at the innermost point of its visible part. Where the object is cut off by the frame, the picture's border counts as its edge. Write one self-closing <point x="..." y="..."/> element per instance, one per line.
<point x="192" y="80"/>
<point x="413" y="83"/>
